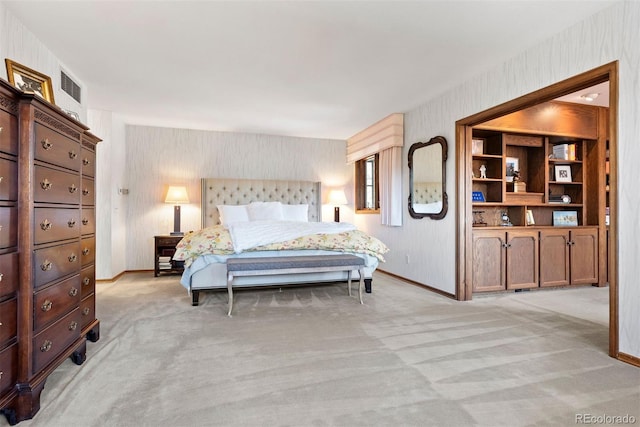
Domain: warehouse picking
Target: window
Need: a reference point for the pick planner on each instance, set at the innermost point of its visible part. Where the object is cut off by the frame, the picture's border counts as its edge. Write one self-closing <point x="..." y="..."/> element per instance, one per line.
<point x="367" y="188"/>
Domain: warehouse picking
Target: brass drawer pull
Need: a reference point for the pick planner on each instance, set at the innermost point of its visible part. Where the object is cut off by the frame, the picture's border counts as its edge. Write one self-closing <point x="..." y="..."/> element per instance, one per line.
<point x="86" y="251"/>
<point x="86" y="281"/>
<point x="73" y="325"/>
<point x="72" y="154"/>
<point x="46" y="144"/>
<point x="1" y="276"/>
<point x="46" y="184"/>
<point x="73" y="292"/>
<point x="73" y="188"/>
<point x="45" y="225"/>
<point x="85" y="192"/>
<point x="47" y="305"/>
<point x="85" y="221"/>
<point x="1" y="129"/>
<point x="86" y="311"/>
<point x="46" y="346"/>
<point x="72" y="258"/>
<point x="46" y="265"/>
<point x="71" y="223"/>
<point x="1" y="178"/>
<point x="85" y="162"/>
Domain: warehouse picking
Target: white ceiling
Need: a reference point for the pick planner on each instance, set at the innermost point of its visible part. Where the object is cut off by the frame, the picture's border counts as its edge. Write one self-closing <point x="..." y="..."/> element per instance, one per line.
<point x="312" y="69"/>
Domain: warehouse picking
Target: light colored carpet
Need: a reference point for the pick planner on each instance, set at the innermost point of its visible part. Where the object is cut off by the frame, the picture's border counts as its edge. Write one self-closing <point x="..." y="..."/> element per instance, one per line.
<point x="313" y="356"/>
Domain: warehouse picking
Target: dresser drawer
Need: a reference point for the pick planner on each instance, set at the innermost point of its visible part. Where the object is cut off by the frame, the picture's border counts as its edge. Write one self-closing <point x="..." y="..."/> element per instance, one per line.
<point x="8" y="133"/>
<point x="57" y="149"/>
<point x="8" y="227"/>
<point x="88" y="279"/>
<point x="8" y="179"/>
<point x="53" y="186"/>
<point x="88" y="310"/>
<point x="88" y="162"/>
<point x="48" y="344"/>
<point x="88" y="250"/>
<point x="8" y="320"/>
<point x="88" y="192"/>
<point x="8" y="368"/>
<point x="53" y="224"/>
<point x="8" y="273"/>
<point x="51" y="303"/>
<point x="55" y="262"/>
<point x="88" y="221"/>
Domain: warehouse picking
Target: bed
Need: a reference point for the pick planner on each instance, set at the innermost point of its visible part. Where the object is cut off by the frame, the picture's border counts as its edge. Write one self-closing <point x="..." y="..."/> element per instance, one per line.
<point x="267" y="218"/>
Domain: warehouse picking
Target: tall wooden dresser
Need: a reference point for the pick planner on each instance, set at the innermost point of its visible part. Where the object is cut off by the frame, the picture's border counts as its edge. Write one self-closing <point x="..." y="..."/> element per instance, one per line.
<point x="49" y="247"/>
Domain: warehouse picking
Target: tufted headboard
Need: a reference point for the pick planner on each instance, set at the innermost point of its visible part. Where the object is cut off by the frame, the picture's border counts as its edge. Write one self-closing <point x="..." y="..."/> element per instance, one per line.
<point x="227" y="191"/>
<point x="427" y="192"/>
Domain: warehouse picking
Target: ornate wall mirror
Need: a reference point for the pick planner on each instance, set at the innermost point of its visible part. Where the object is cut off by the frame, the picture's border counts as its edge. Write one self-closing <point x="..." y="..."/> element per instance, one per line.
<point x="427" y="183"/>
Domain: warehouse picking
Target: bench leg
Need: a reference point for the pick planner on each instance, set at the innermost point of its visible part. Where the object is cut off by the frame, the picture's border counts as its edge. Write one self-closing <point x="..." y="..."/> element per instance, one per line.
<point x="367" y="285"/>
<point x="349" y="281"/>
<point x="195" y="297"/>
<point x="230" y="292"/>
<point x="361" y="274"/>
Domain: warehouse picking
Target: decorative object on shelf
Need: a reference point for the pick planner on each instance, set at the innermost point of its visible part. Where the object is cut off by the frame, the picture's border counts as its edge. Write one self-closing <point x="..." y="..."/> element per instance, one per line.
<point x="504" y="218"/>
<point x="564" y="198"/>
<point x="518" y="185"/>
<point x="564" y="151"/>
<point x="477" y="146"/>
<point x="477" y="196"/>
<point x="530" y="219"/>
<point x="29" y="81"/>
<point x="478" y="219"/>
<point x="563" y="173"/>
<point x="72" y="114"/>
<point x="513" y="165"/>
<point x="337" y="198"/>
<point x="483" y="171"/>
<point x="565" y="218"/>
<point x="177" y="196"/>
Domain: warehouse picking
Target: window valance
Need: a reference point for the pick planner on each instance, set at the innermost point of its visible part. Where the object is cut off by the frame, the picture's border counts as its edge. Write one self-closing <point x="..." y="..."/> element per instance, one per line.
<point x="387" y="133"/>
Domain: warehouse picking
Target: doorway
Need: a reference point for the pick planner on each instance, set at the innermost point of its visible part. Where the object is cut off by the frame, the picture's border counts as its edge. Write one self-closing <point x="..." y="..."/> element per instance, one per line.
<point x="464" y="214"/>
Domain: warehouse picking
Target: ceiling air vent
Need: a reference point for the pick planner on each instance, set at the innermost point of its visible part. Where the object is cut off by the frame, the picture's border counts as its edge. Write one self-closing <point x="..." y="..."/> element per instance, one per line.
<point x="70" y="87"/>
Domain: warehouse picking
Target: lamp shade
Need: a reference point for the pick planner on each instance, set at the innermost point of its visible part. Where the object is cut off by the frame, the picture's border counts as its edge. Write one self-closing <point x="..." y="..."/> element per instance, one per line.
<point x="337" y="197"/>
<point x="177" y="195"/>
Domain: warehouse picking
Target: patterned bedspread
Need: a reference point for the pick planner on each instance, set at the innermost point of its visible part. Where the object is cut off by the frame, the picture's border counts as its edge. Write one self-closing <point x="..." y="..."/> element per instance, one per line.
<point x="217" y="240"/>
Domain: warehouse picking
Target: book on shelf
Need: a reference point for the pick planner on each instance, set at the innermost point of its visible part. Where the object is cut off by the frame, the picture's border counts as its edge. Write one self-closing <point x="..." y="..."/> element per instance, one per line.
<point x="164" y="259"/>
<point x="564" y="151"/>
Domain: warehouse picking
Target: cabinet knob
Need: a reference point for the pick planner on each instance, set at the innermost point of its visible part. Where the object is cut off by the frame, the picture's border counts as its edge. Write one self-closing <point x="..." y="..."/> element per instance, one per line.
<point x="86" y="251"/>
<point x="46" y="144"/>
<point x="1" y="178"/>
<point x="85" y="162"/>
<point x="72" y="258"/>
<point x="1" y="276"/>
<point x="85" y="192"/>
<point x="46" y="265"/>
<point x="86" y="281"/>
<point x="72" y="154"/>
<point x="73" y="188"/>
<point x="71" y="223"/>
<point x="45" y="225"/>
<point x="46" y="184"/>
<point x="73" y="292"/>
<point x="46" y="346"/>
<point x="73" y="325"/>
<point x="47" y="305"/>
<point x="86" y="311"/>
<point x="85" y="221"/>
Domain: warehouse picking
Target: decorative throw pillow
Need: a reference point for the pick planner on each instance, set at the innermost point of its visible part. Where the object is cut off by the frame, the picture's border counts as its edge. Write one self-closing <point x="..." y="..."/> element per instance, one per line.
<point x="295" y="212"/>
<point x="230" y="214"/>
<point x="262" y="211"/>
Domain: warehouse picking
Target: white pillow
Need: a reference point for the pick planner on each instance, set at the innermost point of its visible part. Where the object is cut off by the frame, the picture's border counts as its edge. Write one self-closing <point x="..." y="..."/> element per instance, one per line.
<point x="262" y="211"/>
<point x="295" y="212"/>
<point x="230" y="214"/>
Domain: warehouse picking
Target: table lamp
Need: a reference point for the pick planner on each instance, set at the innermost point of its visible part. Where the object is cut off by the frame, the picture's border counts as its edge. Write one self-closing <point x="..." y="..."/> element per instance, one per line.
<point x="337" y="198"/>
<point x="177" y="196"/>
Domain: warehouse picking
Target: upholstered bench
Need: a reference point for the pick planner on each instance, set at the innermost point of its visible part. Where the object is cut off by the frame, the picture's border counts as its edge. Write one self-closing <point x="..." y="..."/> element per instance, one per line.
<point x="290" y="265"/>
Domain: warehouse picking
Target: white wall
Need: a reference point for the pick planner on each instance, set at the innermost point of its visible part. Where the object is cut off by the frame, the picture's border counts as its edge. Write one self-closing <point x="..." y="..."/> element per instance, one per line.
<point x="608" y="36"/>
<point x="159" y="157"/>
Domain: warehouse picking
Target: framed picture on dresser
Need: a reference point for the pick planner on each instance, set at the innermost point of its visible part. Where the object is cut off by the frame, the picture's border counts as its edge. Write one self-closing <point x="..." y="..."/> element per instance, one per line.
<point x="29" y="80"/>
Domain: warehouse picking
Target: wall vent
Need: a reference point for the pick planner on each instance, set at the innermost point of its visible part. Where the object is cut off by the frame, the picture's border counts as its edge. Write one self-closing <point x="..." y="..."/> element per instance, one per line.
<point x="70" y="87"/>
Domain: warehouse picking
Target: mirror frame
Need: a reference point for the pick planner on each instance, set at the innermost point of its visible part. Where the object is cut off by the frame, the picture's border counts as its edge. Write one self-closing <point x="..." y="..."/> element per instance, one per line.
<point x="445" y="203"/>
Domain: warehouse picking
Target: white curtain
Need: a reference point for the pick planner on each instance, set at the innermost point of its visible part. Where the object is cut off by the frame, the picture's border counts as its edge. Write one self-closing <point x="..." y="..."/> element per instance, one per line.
<point x="391" y="204"/>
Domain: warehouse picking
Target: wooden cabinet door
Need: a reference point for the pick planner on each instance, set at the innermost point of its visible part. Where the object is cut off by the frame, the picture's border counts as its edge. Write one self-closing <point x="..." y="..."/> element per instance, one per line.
<point x="489" y="264"/>
<point x="522" y="259"/>
<point x="584" y="256"/>
<point x="554" y="257"/>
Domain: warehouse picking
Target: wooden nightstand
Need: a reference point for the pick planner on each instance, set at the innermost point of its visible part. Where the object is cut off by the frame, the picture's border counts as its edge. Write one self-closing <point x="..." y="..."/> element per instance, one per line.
<point x="165" y="247"/>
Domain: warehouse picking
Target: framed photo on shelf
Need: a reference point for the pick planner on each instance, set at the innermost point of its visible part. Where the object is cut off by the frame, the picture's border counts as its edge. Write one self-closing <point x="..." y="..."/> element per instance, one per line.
<point x="565" y="218"/>
<point x="29" y="81"/>
<point x="530" y="219"/>
<point x="513" y="165"/>
<point x="477" y="196"/>
<point x="477" y="146"/>
<point x="563" y="173"/>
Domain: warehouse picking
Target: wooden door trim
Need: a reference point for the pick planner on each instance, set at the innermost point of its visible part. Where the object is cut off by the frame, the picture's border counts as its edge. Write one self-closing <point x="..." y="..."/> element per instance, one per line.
<point x="607" y="72"/>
